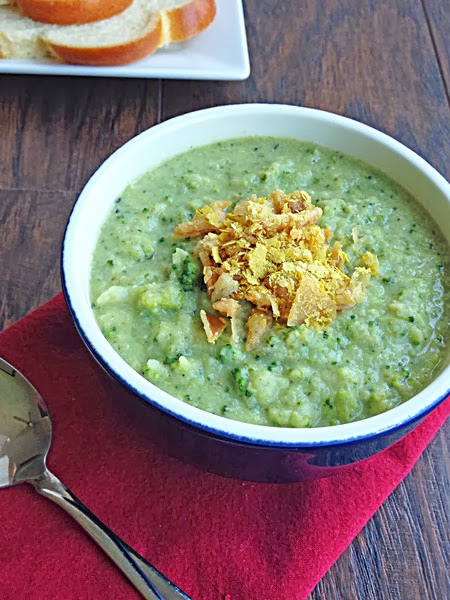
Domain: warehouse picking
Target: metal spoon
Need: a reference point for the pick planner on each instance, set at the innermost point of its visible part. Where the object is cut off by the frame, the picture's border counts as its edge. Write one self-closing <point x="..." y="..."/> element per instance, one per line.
<point x="25" y="438"/>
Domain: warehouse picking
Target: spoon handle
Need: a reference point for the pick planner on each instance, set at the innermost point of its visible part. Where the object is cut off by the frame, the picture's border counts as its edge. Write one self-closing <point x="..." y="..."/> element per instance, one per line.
<point x="152" y="584"/>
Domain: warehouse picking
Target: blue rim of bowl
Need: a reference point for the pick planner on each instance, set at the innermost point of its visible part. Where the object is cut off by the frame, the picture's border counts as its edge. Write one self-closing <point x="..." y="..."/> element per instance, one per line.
<point x="215" y="431"/>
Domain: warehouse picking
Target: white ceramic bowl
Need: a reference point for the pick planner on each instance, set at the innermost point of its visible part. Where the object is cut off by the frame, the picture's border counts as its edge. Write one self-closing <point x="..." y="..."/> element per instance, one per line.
<point x="205" y="126"/>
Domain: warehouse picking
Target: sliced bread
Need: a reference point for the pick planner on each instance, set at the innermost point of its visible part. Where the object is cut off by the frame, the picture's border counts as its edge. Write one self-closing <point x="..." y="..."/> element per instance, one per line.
<point x="70" y="12"/>
<point x="139" y="30"/>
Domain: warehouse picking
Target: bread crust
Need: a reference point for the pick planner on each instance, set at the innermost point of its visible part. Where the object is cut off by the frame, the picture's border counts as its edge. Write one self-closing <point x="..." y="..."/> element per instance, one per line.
<point x="190" y="19"/>
<point x="165" y="26"/>
<point x="71" y="12"/>
<point x="110" y="56"/>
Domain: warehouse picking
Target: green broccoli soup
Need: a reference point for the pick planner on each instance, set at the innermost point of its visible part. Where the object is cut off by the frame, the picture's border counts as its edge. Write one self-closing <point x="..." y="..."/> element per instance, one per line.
<point x="275" y="282"/>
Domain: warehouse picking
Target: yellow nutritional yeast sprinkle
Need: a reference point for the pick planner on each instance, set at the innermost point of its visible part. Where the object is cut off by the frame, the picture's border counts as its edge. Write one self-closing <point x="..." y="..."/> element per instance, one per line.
<point x="272" y="253"/>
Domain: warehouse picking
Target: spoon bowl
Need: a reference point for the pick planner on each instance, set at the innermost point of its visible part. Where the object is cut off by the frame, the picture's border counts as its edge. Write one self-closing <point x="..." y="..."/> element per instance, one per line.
<point x="25" y="429"/>
<point x="25" y="439"/>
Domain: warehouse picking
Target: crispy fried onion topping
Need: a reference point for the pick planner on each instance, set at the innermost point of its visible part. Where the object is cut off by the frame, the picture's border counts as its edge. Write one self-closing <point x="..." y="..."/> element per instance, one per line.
<point x="271" y="253"/>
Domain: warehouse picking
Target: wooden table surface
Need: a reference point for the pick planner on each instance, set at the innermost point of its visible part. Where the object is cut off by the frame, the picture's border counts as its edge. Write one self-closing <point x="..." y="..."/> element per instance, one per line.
<point x="383" y="62"/>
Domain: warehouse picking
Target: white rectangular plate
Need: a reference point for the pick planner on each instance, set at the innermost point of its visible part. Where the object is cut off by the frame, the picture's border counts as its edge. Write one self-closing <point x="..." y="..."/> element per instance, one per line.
<point x="220" y="52"/>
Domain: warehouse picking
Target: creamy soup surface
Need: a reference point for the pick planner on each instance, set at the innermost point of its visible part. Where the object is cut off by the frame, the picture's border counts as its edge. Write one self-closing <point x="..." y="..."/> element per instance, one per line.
<point x="147" y="289"/>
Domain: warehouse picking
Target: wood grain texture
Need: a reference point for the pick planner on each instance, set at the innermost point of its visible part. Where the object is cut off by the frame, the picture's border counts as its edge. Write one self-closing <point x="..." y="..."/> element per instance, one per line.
<point x="372" y="61"/>
<point x="57" y="131"/>
<point x="438" y="20"/>
<point x="383" y="62"/>
<point x="31" y="226"/>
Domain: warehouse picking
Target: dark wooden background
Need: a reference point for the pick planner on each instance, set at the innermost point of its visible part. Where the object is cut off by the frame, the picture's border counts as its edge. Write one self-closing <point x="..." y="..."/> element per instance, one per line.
<point x="383" y="62"/>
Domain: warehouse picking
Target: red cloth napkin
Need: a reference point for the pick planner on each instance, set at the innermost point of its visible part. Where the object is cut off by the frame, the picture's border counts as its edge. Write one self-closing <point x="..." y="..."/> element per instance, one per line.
<point x="217" y="538"/>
